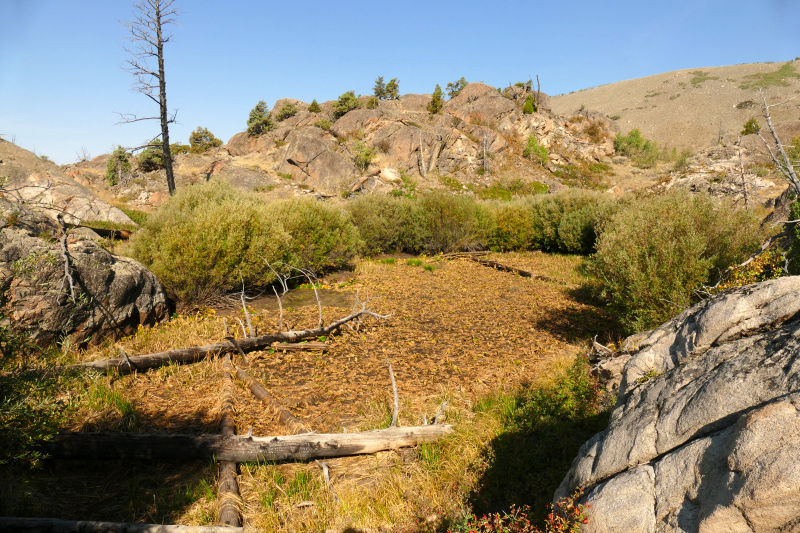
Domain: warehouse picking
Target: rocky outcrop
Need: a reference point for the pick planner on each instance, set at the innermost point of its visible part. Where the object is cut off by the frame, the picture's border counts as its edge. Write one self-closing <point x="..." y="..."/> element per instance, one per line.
<point x="479" y="104"/>
<point x="113" y="294"/>
<point x="42" y="182"/>
<point x="309" y="160"/>
<point x="705" y="435"/>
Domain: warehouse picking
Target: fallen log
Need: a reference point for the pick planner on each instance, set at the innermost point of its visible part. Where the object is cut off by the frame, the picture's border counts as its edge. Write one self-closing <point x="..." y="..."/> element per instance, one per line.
<point x="229" y="497"/>
<point x="198" y="353"/>
<point x="285" y="346"/>
<point x="277" y="409"/>
<point x="504" y="268"/>
<point x="456" y="255"/>
<point x="115" y="446"/>
<point x="52" y="525"/>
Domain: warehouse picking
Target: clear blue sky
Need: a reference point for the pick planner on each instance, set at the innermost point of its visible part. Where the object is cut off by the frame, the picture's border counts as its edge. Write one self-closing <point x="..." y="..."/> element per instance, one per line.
<point x="61" y="77"/>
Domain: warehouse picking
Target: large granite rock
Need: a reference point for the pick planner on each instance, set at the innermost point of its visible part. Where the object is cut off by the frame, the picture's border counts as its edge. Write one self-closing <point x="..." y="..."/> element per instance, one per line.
<point x="309" y="160"/>
<point x="113" y="294"/>
<point x="705" y="435"/>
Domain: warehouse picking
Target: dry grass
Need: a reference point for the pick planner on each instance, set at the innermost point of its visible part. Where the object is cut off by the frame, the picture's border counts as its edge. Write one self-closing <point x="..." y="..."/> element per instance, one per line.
<point x="458" y="332"/>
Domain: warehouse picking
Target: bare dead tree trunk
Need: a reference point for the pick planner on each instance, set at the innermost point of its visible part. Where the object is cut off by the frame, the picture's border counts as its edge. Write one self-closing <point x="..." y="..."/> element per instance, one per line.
<point x="538" y="93"/>
<point x="785" y="165"/>
<point x="148" y="38"/>
<point x="741" y="171"/>
<point x="422" y="168"/>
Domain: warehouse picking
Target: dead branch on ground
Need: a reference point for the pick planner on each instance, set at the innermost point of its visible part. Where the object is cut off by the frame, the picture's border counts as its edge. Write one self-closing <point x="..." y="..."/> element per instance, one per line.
<point x="230" y="499"/>
<point x="259" y="391"/>
<point x="52" y="525"/>
<point x="396" y="407"/>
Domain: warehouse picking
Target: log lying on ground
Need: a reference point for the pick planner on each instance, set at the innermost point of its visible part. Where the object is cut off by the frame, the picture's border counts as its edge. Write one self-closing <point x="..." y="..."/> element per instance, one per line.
<point x="504" y="268"/>
<point x="198" y="353"/>
<point x="114" y="446"/>
<point x="259" y="391"/>
<point x="229" y="497"/>
<point x="51" y="525"/>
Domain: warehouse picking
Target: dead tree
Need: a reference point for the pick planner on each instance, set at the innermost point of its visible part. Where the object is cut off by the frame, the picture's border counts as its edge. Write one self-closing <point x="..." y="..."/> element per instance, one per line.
<point x="784" y="164"/>
<point x="147" y="43"/>
<point x="228" y="485"/>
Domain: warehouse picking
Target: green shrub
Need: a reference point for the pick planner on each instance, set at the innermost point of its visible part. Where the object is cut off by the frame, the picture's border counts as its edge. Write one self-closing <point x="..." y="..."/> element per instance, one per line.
<point x="436" y="103"/>
<point x="387" y="223"/>
<point x="286" y="111"/>
<point x="392" y="90"/>
<point x="346" y="103"/>
<point x="321" y="234"/>
<point x="642" y="152"/>
<point x="652" y="255"/>
<point x="751" y="127"/>
<point x="570" y="221"/>
<point x="117" y="165"/>
<point x="535" y="152"/>
<point x="324" y="123"/>
<point x="201" y="240"/>
<point x="453" y="222"/>
<point x="178" y="148"/>
<point x="456" y="87"/>
<point x="513" y="226"/>
<point x="314" y="107"/>
<point x="259" y="121"/>
<point x="363" y="155"/>
<point x="151" y="159"/>
<point x="372" y="103"/>
<point x="201" y="140"/>
<point x="529" y="107"/>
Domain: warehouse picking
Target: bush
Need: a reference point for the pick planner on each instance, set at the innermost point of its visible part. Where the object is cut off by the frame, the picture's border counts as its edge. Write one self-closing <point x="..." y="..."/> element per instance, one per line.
<point x="453" y="222"/>
<point x="178" y="148"/>
<point x="363" y="156"/>
<point x="117" y="165"/>
<point x="437" y="102"/>
<point x="513" y="226"/>
<point x="372" y="103"/>
<point x="389" y="223"/>
<point x="653" y="254"/>
<point x="259" y="121"/>
<point x="535" y="152"/>
<point x="321" y="235"/>
<point x="201" y="240"/>
<point x="529" y="107"/>
<point x="456" y="87"/>
<point x="751" y="127"/>
<point x="201" y="140"/>
<point x="287" y="110"/>
<point x="346" y="103"/>
<point x="324" y="123"/>
<point x="570" y="221"/>
<point x="642" y="152"/>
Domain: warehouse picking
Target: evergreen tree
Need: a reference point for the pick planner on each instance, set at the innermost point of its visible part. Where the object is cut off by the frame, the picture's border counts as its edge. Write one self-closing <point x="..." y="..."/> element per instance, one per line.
<point x="392" y="89"/>
<point x="201" y="140"/>
<point x="117" y="165"/>
<point x="259" y="121"/>
<point x="346" y="102"/>
<point x="314" y="107"/>
<point x="529" y="107"/>
<point x="379" y="89"/>
<point x="436" y="103"/>
<point x="456" y="87"/>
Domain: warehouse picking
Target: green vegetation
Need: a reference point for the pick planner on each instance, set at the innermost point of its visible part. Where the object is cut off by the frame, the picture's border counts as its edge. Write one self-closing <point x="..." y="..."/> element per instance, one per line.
<point x="751" y="127"/>
<point x="324" y="123"/>
<point x="454" y="88"/>
<point x="764" y="80"/>
<point x="699" y="77"/>
<point x="346" y="103"/>
<point x="117" y="165"/>
<point x="178" y="148"/>
<point x="201" y="140"/>
<point x="217" y="233"/>
<point x="363" y="155"/>
<point x="151" y="158"/>
<point x="530" y="106"/>
<point x="259" y="121"/>
<point x="437" y="101"/>
<point x="287" y="110"/>
<point x="652" y="255"/>
<point x="535" y="152"/>
<point x="372" y="103"/>
<point x="643" y="153"/>
<point x="314" y="107"/>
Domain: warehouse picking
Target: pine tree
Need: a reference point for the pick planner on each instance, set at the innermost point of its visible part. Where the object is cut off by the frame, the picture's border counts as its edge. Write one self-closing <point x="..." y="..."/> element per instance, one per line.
<point x="314" y="107"/>
<point x="529" y="107"/>
<point x="379" y="89"/>
<point x="201" y="140"/>
<point x="259" y="121"/>
<point x="435" y="105"/>
<point x="392" y="89"/>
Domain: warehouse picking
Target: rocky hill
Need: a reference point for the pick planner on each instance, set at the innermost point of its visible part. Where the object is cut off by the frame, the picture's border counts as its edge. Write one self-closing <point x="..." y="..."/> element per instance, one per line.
<point x="695" y="108"/>
<point x="477" y="141"/>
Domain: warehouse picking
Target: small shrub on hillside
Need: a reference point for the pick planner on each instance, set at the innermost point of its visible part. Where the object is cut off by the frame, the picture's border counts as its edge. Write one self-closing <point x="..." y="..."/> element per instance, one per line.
<point x="117" y="165"/>
<point x="363" y="155"/>
<point x="535" y="152"/>
<point x="314" y="107"/>
<point x="324" y="123"/>
<point x="388" y="223"/>
<point x="151" y="159"/>
<point x="178" y="148"/>
<point x="321" y="234"/>
<point x="751" y="127"/>
<point x="456" y="87"/>
<point x="642" y="152"/>
<point x="201" y="140"/>
<point x="437" y="101"/>
<point x="346" y="103"/>
<point x="652" y="254"/>
<point x="529" y="107"/>
<point x="259" y="121"/>
<point x="286" y="111"/>
<point x="595" y="132"/>
<point x="204" y="237"/>
<point x="372" y="103"/>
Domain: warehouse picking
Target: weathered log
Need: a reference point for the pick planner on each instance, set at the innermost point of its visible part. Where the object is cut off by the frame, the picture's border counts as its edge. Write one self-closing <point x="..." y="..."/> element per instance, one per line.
<point x="285" y="346"/>
<point x="114" y="446"/>
<point x="259" y="391"/>
<point x="229" y="497"/>
<point x="198" y="353"/>
<point x="52" y="525"/>
<point x="500" y="266"/>
<point x="456" y="255"/>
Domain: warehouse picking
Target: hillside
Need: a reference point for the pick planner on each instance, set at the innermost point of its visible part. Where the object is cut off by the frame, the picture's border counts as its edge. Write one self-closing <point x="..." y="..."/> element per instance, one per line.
<point x="694" y="108"/>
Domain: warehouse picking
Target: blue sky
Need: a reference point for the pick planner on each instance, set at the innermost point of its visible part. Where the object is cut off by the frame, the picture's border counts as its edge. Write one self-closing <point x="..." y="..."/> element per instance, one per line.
<point x="61" y="77"/>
